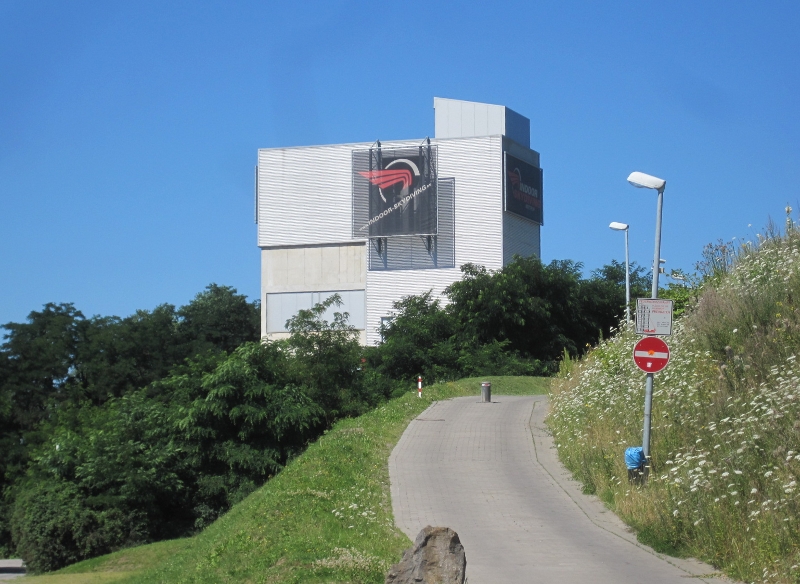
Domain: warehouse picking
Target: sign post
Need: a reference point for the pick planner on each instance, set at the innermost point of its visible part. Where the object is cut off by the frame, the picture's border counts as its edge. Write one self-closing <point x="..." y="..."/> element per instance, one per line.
<point x="653" y="316"/>
<point x="646" y="181"/>
<point x="651" y="355"/>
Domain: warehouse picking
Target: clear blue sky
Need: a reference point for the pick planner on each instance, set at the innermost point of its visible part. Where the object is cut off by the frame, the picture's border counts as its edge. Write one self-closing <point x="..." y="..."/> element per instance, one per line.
<point x="129" y="130"/>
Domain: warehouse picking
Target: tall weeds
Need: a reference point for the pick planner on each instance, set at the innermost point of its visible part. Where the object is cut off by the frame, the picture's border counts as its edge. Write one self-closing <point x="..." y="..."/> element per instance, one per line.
<point x="726" y="420"/>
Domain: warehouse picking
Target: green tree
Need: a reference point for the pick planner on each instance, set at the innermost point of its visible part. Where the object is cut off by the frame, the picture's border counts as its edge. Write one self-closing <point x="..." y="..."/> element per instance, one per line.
<point x="37" y="362"/>
<point x="604" y="294"/>
<point x="107" y="477"/>
<point x="419" y="340"/>
<point x="220" y="319"/>
<point x="537" y="308"/>
<point x="326" y="359"/>
<point x="120" y="355"/>
<point x="240" y="424"/>
<point x="40" y="357"/>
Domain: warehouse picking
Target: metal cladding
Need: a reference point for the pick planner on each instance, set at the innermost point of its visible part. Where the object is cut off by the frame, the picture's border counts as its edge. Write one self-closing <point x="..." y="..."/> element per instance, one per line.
<point x="421" y="209"/>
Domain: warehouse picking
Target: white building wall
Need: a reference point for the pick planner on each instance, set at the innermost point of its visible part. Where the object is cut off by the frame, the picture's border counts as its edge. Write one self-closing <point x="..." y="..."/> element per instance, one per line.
<point x="305" y="195"/>
<point x="305" y="200"/>
<point x="520" y="237"/>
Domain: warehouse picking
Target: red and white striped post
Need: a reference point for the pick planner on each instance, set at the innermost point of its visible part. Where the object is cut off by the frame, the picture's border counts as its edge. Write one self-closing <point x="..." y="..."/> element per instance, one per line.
<point x="419" y="386"/>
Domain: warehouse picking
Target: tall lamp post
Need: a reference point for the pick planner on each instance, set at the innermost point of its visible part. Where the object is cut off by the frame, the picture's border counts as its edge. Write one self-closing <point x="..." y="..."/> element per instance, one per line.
<point x="646" y="181"/>
<point x="624" y="227"/>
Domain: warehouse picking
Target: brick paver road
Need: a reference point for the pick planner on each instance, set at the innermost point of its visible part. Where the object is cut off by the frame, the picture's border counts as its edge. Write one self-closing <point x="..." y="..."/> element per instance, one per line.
<point x="489" y="472"/>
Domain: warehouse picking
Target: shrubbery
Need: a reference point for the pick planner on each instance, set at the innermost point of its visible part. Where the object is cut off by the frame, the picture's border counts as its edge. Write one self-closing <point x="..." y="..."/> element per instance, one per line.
<point x="167" y="460"/>
<point x="516" y="321"/>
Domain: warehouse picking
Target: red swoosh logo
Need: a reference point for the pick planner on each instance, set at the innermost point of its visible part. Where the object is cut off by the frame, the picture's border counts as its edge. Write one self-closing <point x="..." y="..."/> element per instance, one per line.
<point x="387" y="178"/>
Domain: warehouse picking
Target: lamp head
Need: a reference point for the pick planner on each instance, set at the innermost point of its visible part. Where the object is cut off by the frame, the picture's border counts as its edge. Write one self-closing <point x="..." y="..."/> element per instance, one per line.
<point x="618" y="226"/>
<point x="646" y="181"/>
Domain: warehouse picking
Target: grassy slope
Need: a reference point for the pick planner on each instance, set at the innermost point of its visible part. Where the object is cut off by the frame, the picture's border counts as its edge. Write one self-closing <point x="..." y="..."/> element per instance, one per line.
<point x="726" y="415"/>
<point x="326" y="518"/>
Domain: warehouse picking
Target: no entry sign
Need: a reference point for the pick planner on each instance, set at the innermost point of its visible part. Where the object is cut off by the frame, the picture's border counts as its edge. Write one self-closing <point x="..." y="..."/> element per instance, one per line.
<point x="651" y="354"/>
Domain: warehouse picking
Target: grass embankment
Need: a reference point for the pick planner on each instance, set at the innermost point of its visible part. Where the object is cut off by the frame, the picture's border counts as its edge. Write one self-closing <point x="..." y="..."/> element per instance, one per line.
<point x="726" y="415"/>
<point x="327" y="517"/>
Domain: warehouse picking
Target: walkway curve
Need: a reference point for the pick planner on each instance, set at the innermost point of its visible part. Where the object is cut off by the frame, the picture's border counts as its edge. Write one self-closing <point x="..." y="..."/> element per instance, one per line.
<point x="490" y="472"/>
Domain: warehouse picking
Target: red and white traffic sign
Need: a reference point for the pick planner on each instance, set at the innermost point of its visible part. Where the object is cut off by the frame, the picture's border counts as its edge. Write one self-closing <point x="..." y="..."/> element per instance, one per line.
<point x="651" y="354"/>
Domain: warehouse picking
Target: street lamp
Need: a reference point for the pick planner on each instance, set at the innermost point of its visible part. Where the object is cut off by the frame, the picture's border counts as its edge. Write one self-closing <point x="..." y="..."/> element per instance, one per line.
<point x="646" y="181"/>
<point x="624" y="227"/>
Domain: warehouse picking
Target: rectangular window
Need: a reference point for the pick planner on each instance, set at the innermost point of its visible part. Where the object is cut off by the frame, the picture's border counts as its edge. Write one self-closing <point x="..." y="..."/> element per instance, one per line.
<point x="283" y="306"/>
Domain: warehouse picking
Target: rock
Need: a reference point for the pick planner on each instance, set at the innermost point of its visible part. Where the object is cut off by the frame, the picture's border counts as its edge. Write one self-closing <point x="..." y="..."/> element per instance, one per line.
<point x="436" y="558"/>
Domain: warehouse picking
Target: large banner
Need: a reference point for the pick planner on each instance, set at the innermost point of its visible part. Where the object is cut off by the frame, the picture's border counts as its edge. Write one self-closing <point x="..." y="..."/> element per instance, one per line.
<point x="523" y="189"/>
<point x="394" y="192"/>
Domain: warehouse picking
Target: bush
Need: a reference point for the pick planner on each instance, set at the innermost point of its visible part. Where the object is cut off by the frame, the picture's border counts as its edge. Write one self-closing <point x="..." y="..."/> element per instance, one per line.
<point x="170" y="459"/>
<point x="53" y="526"/>
<point x="516" y="321"/>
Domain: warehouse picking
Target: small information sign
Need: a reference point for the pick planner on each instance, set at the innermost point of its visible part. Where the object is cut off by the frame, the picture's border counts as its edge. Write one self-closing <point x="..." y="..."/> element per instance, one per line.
<point x="653" y="316"/>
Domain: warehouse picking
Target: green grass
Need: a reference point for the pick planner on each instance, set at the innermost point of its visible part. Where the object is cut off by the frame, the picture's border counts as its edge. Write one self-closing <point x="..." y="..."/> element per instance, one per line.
<point x="112" y="567"/>
<point x="78" y="578"/>
<point x="509" y="385"/>
<point x="326" y="518"/>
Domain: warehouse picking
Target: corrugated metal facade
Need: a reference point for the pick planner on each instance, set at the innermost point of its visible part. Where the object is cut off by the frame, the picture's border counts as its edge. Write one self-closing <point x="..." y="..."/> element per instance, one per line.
<point x="305" y="195"/>
<point x="305" y="198"/>
<point x="520" y="237"/>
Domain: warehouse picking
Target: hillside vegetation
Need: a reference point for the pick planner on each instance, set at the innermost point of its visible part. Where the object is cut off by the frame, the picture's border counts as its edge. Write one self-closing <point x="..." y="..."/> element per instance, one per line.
<point x="117" y="432"/>
<point x="726" y="419"/>
<point x="325" y="518"/>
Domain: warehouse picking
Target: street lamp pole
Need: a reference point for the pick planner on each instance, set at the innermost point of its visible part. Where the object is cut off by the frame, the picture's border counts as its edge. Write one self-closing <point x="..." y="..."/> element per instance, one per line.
<point x="646" y="181"/>
<point x="657" y="256"/>
<point x="624" y="227"/>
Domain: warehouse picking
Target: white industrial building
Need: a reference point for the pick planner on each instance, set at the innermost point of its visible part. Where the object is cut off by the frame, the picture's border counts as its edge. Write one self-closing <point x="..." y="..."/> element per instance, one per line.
<point x="375" y="222"/>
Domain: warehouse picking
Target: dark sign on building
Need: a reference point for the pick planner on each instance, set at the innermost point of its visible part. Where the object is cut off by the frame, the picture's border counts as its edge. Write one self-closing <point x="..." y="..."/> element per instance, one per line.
<point x="394" y="192"/>
<point x="523" y="189"/>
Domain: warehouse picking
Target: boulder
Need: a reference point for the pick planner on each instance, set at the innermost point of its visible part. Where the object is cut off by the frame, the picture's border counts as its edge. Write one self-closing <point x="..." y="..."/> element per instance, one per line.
<point x="437" y="557"/>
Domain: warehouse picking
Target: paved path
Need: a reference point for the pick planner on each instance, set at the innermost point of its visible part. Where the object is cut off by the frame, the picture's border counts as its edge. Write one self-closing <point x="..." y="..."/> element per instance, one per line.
<point x="489" y="471"/>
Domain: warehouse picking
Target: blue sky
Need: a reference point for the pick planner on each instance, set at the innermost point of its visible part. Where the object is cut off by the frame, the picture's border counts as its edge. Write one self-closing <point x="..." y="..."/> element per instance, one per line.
<point x="129" y="130"/>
